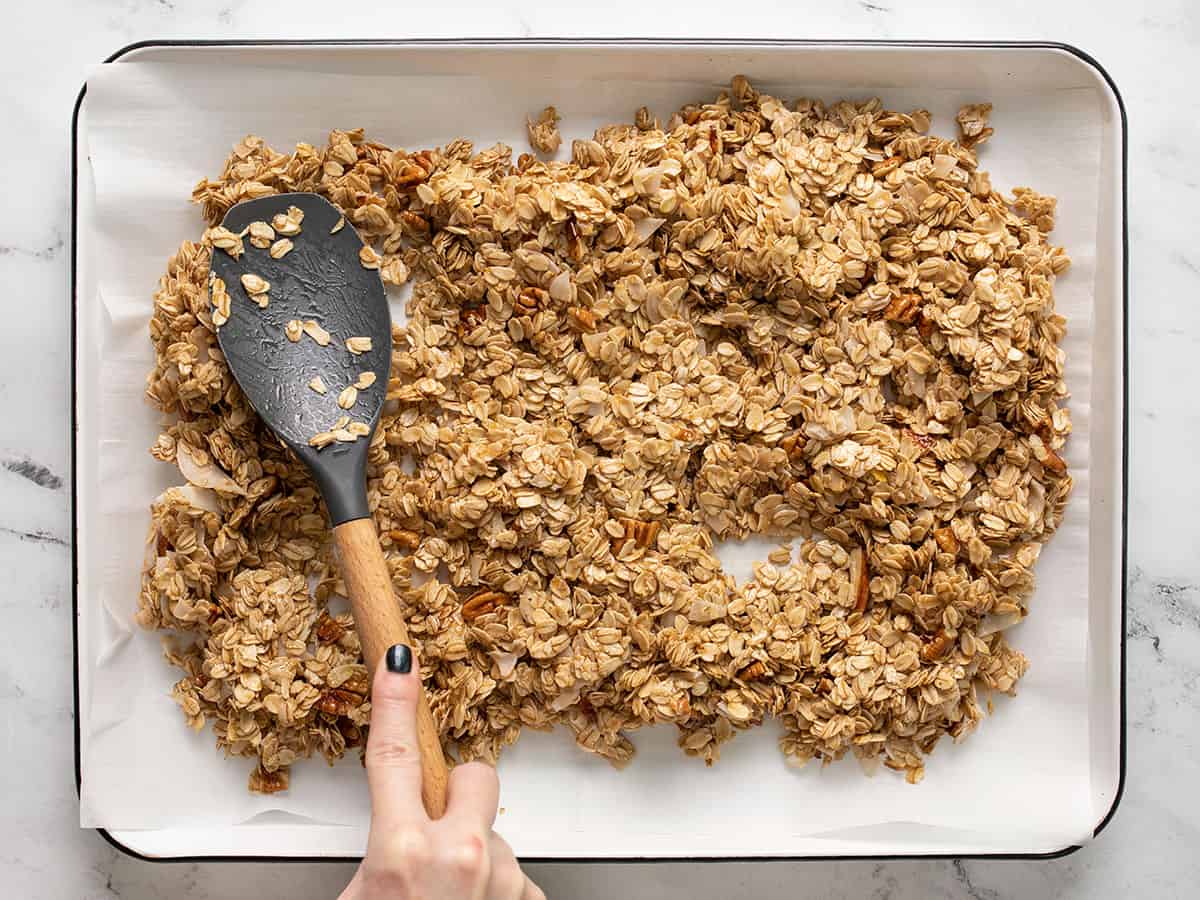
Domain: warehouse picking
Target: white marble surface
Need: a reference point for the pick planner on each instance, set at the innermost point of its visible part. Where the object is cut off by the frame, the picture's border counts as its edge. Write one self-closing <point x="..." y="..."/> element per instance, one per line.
<point x="1150" y="848"/>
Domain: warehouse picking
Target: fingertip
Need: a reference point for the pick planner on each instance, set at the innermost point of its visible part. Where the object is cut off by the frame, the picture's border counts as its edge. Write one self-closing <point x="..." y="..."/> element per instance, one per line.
<point x="398" y="674"/>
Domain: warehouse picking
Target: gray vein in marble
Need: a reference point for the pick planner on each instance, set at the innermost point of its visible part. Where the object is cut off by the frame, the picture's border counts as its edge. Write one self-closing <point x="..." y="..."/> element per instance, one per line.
<point x="35" y="472"/>
<point x="1178" y="602"/>
<point x="964" y="878"/>
<point x="34" y="537"/>
<point x="1137" y="627"/>
<point x="874" y="7"/>
<point x="1181" y="259"/>
<point x="43" y="253"/>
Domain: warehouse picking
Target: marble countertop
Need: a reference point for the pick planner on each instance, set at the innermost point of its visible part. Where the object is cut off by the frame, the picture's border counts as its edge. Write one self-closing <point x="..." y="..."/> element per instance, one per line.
<point x="1150" y="52"/>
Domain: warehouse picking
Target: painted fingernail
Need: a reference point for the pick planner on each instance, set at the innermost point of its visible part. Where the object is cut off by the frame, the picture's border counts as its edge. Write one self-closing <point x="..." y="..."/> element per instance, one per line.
<point x="399" y="659"/>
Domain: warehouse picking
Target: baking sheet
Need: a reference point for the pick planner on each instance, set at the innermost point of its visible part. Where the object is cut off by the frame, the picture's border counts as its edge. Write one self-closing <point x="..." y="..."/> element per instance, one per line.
<point x="154" y="129"/>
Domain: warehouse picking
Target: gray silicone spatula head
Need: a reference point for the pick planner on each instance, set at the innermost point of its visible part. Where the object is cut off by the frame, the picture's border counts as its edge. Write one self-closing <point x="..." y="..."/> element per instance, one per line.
<point x="321" y="280"/>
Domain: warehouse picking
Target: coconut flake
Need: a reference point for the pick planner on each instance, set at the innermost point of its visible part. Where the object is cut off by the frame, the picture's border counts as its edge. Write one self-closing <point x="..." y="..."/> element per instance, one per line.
<point x="207" y="476"/>
<point x="994" y="622"/>
<point x="505" y="662"/>
<point x="565" y="699"/>
<point x="645" y="227"/>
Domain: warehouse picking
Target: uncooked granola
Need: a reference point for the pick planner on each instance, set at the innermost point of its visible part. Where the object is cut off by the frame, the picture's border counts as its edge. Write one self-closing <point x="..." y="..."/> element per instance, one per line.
<point x="815" y="323"/>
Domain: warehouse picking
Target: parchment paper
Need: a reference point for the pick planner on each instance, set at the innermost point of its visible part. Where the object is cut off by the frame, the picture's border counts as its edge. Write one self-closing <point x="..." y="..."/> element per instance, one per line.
<point x="155" y="129"/>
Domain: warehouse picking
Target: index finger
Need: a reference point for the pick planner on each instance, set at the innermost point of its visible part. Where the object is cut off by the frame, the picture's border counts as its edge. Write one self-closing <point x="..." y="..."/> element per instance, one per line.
<point x="393" y="756"/>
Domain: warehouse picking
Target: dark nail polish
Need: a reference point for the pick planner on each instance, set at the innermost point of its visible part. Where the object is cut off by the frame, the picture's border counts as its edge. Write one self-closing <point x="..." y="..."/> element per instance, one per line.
<point x="399" y="659"/>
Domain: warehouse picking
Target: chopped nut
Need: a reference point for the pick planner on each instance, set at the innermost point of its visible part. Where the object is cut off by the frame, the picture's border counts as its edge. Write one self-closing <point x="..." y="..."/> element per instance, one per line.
<point x="860" y="579"/>
<point x="753" y="672"/>
<point x="937" y="646"/>
<point x="404" y="538"/>
<point x="338" y="702"/>
<point x="793" y="446"/>
<point x="641" y="533"/>
<point x="470" y="318"/>
<point x="483" y="602"/>
<point x="946" y="540"/>
<point x="582" y="319"/>
<point x="1054" y="462"/>
<point x="530" y="300"/>
<point x="904" y="307"/>
<point x="329" y="630"/>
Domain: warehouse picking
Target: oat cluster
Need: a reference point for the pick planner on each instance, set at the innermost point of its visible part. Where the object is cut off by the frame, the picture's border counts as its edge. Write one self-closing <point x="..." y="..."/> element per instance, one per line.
<point x="816" y="323"/>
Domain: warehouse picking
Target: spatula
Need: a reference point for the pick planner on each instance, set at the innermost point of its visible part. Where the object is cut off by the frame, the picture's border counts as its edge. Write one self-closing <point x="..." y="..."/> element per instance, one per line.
<point x="324" y="289"/>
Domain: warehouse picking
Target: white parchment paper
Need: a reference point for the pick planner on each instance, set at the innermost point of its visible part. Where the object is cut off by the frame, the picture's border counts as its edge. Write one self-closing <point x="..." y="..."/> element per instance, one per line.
<point x="154" y="129"/>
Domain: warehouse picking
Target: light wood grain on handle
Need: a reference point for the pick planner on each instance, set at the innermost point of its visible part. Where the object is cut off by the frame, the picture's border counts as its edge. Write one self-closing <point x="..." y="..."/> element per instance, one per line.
<point x="380" y="625"/>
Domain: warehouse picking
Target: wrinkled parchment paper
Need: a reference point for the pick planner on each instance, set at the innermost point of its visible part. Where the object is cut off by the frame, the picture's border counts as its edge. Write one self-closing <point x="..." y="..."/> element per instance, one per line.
<point x="154" y="129"/>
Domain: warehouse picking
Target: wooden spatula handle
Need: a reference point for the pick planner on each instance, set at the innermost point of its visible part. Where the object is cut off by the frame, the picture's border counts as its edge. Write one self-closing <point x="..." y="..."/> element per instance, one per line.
<point x="380" y="625"/>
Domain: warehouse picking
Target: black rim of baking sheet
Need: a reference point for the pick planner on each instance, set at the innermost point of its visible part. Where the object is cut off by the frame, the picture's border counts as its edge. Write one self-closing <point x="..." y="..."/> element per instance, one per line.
<point x="623" y="42"/>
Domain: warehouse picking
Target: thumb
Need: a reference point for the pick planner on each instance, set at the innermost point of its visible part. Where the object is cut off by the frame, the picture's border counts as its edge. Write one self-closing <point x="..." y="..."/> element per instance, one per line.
<point x="393" y="757"/>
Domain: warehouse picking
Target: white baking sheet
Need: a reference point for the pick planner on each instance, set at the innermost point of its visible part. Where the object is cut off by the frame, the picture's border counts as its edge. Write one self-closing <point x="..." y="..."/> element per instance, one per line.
<point x="1021" y="783"/>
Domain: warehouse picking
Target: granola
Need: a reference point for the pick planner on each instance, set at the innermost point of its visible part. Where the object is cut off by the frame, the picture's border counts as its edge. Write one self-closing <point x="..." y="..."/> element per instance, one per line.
<point x="817" y="323"/>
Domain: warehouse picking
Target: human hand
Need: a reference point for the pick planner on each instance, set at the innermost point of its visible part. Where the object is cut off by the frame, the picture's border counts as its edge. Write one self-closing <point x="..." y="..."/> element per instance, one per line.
<point x="410" y="856"/>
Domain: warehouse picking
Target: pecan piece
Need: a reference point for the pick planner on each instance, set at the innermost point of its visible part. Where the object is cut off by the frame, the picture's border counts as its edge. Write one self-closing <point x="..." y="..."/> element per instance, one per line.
<point x="582" y="319"/>
<point x="860" y="579"/>
<point x="356" y="684"/>
<point x="946" y="540"/>
<point x="413" y="170"/>
<point x="402" y="537"/>
<point x="482" y="602"/>
<point x="470" y="318"/>
<point x="338" y="702"/>
<point x="329" y="629"/>
<point x="925" y="325"/>
<point x="414" y="223"/>
<point x="576" y="246"/>
<point x="754" y="671"/>
<point x="793" y="446"/>
<point x="937" y="646"/>
<point x="641" y="533"/>
<point x="1054" y="462"/>
<point x="530" y="300"/>
<point x="903" y="308"/>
